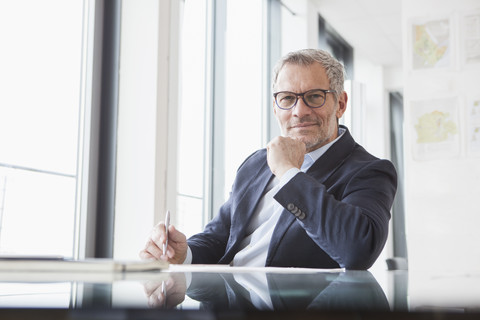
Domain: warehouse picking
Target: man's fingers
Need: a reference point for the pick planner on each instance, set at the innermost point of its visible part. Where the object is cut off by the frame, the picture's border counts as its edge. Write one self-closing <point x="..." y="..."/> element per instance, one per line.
<point x="176" y="249"/>
<point x="150" y="287"/>
<point x="152" y="249"/>
<point x="158" y="233"/>
<point x="145" y="255"/>
<point x="175" y="235"/>
<point x="285" y="153"/>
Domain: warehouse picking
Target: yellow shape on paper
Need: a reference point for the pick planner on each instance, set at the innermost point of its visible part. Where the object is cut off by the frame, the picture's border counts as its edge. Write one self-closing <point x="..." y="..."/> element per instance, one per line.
<point x="426" y="48"/>
<point x="434" y="127"/>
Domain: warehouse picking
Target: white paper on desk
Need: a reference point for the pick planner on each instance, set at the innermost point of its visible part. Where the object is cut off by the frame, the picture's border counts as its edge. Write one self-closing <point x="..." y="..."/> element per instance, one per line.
<point x="77" y="276"/>
<point x="45" y="264"/>
<point x="225" y="268"/>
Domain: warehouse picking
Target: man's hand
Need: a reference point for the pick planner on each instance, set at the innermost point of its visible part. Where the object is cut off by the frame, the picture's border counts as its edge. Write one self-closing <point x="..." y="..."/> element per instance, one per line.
<point x="284" y="153"/>
<point x="177" y="245"/>
<point x="172" y="295"/>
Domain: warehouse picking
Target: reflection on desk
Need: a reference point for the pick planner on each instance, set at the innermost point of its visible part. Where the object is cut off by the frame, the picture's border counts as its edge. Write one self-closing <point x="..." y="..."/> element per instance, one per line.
<point x="218" y="293"/>
<point x="349" y="290"/>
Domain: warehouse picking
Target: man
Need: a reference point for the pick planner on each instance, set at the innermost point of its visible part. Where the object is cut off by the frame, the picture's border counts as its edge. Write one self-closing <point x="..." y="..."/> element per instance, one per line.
<point x="312" y="198"/>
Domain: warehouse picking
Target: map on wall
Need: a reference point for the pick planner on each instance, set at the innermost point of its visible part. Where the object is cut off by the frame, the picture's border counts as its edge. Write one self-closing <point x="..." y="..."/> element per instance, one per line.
<point x="436" y="129"/>
<point x="430" y="44"/>
<point x="471" y="38"/>
<point x="473" y="127"/>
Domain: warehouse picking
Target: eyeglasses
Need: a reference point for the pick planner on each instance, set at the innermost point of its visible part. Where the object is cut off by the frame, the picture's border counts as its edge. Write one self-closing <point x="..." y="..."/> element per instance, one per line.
<point x="315" y="98"/>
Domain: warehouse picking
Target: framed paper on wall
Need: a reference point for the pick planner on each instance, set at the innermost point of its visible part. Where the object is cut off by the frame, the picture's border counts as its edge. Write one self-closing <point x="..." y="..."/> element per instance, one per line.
<point x="430" y="43"/>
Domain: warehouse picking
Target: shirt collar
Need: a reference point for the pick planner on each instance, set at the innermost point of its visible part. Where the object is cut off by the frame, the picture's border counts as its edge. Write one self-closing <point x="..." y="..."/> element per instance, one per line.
<point x="316" y="154"/>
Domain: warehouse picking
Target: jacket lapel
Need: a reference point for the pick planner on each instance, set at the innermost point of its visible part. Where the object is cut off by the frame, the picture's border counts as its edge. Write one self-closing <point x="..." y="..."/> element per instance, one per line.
<point x="243" y="212"/>
<point x="332" y="158"/>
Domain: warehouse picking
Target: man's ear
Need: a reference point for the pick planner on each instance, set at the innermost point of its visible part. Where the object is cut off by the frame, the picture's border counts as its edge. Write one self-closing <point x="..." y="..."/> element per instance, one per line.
<point x="342" y="104"/>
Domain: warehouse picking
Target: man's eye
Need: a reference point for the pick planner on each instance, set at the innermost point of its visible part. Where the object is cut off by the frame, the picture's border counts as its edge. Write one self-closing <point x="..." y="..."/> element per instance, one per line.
<point x="287" y="98"/>
<point x="316" y="99"/>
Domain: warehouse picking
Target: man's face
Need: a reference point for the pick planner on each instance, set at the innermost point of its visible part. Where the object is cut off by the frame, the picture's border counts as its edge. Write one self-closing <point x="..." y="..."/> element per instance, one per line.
<point x="314" y="126"/>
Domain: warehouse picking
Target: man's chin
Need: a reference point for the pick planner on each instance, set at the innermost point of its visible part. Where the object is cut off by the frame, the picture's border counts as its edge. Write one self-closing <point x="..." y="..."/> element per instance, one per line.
<point x="309" y="144"/>
<point x="313" y="145"/>
<point x="307" y="138"/>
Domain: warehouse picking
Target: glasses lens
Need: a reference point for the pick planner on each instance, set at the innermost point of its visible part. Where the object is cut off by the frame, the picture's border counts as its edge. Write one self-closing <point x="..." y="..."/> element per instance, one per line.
<point x="315" y="98"/>
<point x="285" y="100"/>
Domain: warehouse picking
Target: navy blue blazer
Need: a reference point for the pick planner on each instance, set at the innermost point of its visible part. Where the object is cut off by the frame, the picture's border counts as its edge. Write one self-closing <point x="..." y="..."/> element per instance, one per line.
<point x="336" y="214"/>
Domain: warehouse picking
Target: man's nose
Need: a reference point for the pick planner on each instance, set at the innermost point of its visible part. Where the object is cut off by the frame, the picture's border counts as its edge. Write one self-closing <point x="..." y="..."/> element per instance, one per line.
<point x="301" y="109"/>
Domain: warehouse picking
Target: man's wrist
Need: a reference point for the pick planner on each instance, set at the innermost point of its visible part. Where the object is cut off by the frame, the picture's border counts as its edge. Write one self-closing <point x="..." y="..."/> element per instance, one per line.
<point x="189" y="257"/>
<point x="287" y="176"/>
<point x="281" y="171"/>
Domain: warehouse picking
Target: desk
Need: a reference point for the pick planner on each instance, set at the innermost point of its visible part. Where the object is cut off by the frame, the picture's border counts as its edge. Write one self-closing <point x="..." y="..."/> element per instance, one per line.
<point x="225" y="293"/>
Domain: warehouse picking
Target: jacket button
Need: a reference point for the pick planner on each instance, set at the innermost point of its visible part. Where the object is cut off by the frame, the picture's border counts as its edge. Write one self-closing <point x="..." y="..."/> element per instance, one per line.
<point x="301" y="215"/>
<point x="290" y="206"/>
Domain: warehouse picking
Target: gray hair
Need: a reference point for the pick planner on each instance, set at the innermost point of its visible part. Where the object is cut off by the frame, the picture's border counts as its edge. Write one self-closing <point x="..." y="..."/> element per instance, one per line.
<point x="333" y="68"/>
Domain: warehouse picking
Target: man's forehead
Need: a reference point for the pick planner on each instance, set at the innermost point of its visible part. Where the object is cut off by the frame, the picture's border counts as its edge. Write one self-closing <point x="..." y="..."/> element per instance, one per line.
<point x="293" y="72"/>
<point x="302" y="68"/>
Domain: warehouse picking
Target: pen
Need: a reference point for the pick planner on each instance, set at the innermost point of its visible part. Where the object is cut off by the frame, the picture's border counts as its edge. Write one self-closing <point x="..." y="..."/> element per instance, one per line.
<point x="167" y="223"/>
<point x="165" y="244"/>
<point x="164" y="292"/>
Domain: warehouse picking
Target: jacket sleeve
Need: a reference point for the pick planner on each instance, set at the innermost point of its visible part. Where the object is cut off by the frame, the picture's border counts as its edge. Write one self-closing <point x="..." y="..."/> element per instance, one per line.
<point x="209" y="246"/>
<point x="349" y="221"/>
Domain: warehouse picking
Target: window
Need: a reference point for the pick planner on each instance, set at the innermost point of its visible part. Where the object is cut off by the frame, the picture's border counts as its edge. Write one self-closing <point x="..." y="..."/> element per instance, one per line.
<point x="244" y="85"/>
<point x="330" y="40"/>
<point x="222" y="109"/>
<point x="193" y="117"/>
<point x="397" y="156"/>
<point x="42" y="109"/>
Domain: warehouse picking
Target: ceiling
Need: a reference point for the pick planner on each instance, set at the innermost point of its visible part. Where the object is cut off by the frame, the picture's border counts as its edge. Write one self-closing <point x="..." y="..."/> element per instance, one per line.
<point x="372" y="27"/>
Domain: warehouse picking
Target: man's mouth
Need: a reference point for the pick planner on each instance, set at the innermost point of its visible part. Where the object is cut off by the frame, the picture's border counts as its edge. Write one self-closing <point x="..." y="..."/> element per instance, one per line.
<point x="303" y="125"/>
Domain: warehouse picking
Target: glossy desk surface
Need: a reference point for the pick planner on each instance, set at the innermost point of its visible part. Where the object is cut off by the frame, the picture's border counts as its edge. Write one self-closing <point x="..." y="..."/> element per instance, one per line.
<point x="209" y="292"/>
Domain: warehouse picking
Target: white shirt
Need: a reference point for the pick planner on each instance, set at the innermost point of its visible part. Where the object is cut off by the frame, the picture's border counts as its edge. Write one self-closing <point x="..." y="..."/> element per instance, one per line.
<point x="259" y="232"/>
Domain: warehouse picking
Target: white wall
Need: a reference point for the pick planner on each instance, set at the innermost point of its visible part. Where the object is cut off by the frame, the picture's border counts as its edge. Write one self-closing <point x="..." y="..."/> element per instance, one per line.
<point x="393" y="78"/>
<point x="441" y="192"/>
<point x="375" y="126"/>
<point x="299" y="30"/>
<point x="374" y="130"/>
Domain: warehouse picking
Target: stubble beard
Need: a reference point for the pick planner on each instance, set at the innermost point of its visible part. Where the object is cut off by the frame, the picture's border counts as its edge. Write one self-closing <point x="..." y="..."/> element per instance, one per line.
<point x="323" y="135"/>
